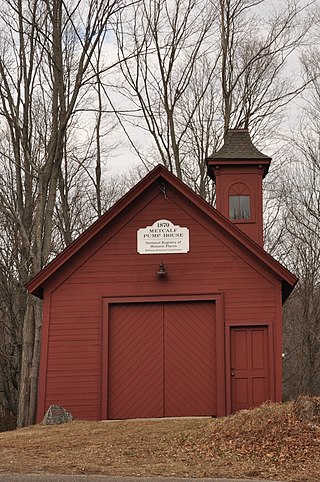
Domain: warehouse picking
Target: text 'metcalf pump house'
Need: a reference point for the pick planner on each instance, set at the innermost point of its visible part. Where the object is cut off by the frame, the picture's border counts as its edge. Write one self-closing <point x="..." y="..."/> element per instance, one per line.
<point x="167" y="306"/>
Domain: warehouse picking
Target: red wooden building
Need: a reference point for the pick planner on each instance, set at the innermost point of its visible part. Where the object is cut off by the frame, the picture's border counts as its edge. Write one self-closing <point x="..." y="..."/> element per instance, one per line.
<point x="166" y="306"/>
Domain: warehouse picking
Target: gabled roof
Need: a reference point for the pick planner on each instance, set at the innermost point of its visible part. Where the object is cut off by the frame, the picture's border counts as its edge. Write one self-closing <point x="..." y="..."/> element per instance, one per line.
<point x="35" y="285"/>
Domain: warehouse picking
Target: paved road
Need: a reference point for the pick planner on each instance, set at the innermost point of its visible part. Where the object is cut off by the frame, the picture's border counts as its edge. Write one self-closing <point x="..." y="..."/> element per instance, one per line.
<point x="103" y="478"/>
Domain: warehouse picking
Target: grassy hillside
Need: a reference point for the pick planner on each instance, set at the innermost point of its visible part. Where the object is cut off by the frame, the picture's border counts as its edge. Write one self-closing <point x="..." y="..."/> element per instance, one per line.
<point x="270" y="442"/>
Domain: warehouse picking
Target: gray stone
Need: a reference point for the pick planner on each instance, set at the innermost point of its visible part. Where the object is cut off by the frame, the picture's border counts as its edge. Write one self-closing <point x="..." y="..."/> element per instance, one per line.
<point x="307" y="409"/>
<point x="56" y="415"/>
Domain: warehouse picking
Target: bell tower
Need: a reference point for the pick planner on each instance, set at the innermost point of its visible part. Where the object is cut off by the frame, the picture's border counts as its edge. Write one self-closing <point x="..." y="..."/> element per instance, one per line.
<point x="238" y="169"/>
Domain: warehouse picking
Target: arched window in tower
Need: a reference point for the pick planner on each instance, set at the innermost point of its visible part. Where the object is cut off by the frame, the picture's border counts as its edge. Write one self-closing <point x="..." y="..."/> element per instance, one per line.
<point x="239" y="202"/>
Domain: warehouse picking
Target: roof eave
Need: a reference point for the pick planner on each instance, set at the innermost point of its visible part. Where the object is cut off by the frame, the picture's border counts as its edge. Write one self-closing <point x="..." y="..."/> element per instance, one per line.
<point x="215" y="163"/>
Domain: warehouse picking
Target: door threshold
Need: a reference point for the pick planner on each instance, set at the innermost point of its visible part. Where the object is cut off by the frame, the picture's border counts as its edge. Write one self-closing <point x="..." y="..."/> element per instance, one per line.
<point x="159" y="419"/>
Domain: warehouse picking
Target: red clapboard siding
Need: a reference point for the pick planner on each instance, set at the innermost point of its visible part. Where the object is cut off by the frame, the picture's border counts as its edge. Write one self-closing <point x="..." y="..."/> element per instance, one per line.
<point x="214" y="264"/>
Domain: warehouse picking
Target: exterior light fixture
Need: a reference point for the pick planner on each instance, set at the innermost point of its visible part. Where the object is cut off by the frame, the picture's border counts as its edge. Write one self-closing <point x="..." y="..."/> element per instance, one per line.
<point x="162" y="270"/>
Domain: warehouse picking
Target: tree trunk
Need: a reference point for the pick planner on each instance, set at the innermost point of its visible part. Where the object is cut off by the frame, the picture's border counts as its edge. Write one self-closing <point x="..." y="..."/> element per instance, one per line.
<point x="29" y="363"/>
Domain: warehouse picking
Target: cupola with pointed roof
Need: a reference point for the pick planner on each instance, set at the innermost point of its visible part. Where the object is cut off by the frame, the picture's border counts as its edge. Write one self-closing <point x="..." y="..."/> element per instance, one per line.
<point x="238" y="169"/>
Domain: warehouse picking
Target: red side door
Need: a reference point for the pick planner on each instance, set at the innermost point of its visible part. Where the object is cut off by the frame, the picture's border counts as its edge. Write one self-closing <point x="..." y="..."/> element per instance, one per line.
<point x="250" y="384"/>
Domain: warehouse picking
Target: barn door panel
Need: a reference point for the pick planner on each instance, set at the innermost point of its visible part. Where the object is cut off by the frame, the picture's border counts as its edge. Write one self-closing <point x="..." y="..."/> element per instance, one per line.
<point x="249" y="367"/>
<point x="135" y="372"/>
<point x="189" y="359"/>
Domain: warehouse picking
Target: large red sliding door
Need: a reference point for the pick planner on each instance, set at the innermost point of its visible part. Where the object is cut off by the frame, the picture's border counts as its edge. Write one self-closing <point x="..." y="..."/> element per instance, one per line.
<point x="249" y="367"/>
<point x="135" y="361"/>
<point x="189" y="361"/>
<point x="161" y="359"/>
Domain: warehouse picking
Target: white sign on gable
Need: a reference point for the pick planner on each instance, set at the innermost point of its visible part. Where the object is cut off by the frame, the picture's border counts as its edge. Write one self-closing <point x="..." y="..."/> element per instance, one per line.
<point x="162" y="237"/>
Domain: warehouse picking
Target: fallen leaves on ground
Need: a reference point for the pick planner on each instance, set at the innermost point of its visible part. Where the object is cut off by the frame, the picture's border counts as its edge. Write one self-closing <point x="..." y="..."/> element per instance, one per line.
<point x="269" y="442"/>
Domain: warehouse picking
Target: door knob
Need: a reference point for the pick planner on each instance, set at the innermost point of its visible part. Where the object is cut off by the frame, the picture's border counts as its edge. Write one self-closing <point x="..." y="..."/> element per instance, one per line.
<point x="232" y="372"/>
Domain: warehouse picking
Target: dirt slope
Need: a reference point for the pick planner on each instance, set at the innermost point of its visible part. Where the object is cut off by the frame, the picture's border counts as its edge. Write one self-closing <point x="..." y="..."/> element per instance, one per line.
<point x="269" y="442"/>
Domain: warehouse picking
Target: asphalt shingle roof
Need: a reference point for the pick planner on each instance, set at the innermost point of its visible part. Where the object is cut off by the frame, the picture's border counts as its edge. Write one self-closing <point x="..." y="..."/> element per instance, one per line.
<point x="238" y="145"/>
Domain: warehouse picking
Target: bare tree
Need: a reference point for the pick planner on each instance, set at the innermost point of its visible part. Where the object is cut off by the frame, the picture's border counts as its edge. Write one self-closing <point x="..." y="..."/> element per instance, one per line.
<point x="299" y="248"/>
<point x="254" y="85"/>
<point x="199" y="66"/>
<point x="302" y="311"/>
<point x="168" y="40"/>
<point x="46" y="64"/>
<point x="11" y="313"/>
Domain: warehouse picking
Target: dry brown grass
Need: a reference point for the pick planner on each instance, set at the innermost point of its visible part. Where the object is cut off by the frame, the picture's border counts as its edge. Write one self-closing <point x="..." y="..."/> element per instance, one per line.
<point x="269" y="442"/>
